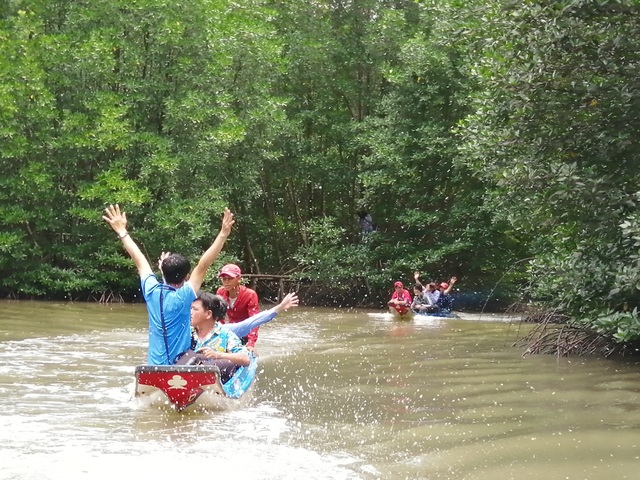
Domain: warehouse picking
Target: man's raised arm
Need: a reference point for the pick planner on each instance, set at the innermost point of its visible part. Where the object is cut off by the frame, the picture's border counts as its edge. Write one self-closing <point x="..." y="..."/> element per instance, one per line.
<point x="197" y="276"/>
<point x="243" y="328"/>
<point x="118" y="221"/>
<point x="289" y="301"/>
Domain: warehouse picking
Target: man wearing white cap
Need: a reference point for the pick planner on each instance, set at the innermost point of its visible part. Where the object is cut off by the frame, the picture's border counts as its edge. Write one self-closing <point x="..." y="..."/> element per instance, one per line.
<point x="242" y="301"/>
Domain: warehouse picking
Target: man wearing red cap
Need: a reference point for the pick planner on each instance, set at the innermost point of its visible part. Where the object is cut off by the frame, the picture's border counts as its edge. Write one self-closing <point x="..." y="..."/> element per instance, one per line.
<point x="445" y="303"/>
<point x="242" y="301"/>
<point x="401" y="298"/>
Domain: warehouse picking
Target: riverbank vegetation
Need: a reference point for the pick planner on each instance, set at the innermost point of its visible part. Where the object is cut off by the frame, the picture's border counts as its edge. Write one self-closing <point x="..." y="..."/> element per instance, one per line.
<point x="492" y="140"/>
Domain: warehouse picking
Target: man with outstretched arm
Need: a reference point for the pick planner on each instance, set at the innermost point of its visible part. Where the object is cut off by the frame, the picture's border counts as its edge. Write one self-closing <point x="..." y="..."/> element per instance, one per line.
<point x="218" y="345"/>
<point x="168" y="302"/>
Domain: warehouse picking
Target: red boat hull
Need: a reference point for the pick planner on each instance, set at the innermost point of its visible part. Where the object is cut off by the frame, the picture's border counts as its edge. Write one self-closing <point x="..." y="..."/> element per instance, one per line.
<point x="182" y="384"/>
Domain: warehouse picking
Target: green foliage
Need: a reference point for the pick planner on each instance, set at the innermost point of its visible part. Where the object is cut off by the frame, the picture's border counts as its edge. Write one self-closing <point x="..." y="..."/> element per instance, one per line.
<point x="624" y="327"/>
<point x="477" y="134"/>
<point x="295" y="114"/>
<point x="551" y="132"/>
<point x="327" y="260"/>
<point x="129" y="103"/>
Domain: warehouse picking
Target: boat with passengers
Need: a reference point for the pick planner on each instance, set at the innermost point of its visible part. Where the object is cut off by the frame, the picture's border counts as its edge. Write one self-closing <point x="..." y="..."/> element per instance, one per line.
<point x="182" y="386"/>
<point x="196" y="379"/>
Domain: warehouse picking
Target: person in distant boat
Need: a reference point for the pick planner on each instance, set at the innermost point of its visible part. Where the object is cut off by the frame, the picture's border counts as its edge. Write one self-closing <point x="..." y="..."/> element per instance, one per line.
<point x="168" y="302"/>
<point x="445" y="302"/>
<point x="242" y="301"/>
<point x="400" y="297"/>
<point x="420" y="301"/>
<point x="430" y="291"/>
<point x="438" y="294"/>
<point x="215" y="341"/>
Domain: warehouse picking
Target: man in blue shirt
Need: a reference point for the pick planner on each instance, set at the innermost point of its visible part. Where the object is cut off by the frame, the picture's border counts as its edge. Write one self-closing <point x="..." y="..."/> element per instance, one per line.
<point x="168" y="302"/>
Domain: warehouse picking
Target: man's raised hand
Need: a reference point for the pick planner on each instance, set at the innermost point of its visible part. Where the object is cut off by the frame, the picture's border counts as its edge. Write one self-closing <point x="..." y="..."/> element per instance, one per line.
<point x="115" y="218"/>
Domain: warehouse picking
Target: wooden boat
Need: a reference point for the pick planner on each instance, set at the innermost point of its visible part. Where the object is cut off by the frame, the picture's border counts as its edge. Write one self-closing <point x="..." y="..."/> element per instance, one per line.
<point x="401" y="312"/>
<point x="182" y="386"/>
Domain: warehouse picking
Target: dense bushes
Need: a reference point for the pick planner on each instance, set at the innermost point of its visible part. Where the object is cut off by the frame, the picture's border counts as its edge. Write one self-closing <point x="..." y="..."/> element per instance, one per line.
<point x="477" y="134"/>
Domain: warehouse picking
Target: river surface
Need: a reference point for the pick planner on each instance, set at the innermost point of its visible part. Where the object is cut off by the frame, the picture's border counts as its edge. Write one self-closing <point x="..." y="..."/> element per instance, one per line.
<point x="340" y="394"/>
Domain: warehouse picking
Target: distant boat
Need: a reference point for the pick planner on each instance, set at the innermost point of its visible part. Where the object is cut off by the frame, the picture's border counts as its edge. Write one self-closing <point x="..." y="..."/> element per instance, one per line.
<point x="184" y="386"/>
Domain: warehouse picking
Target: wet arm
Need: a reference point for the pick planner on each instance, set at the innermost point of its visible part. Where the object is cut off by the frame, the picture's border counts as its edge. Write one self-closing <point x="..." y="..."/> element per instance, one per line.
<point x="197" y="276"/>
<point x="142" y="264"/>
<point x="241" y="359"/>
<point x="241" y="329"/>
<point x="118" y="222"/>
<point x="451" y="284"/>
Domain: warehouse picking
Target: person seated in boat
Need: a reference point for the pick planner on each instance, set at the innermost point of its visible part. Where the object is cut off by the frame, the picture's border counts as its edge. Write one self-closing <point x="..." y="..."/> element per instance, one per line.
<point x="216" y="341"/>
<point x="400" y="297"/>
<point x="430" y="291"/>
<point x="445" y="302"/>
<point x="242" y="301"/>
<point x="421" y="302"/>
<point x="168" y="302"/>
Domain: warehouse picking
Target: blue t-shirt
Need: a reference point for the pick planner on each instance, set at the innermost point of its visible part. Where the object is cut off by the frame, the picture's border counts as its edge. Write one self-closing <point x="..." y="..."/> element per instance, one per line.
<point x="176" y="305"/>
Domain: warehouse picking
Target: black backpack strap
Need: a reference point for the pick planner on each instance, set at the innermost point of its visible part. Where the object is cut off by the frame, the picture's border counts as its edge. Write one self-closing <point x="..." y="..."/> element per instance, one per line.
<point x="164" y="327"/>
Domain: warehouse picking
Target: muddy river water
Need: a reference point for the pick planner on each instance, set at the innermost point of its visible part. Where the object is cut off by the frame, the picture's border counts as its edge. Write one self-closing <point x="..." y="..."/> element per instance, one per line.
<point x="340" y="394"/>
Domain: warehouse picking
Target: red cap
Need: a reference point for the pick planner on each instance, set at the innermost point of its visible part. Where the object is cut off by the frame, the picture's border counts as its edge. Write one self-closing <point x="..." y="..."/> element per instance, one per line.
<point x="230" y="270"/>
<point x="398" y="284"/>
<point x="444" y="285"/>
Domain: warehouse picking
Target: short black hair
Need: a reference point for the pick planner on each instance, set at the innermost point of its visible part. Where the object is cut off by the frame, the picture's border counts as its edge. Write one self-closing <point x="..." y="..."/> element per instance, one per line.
<point x="175" y="268"/>
<point x="215" y="303"/>
<point x="418" y="286"/>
